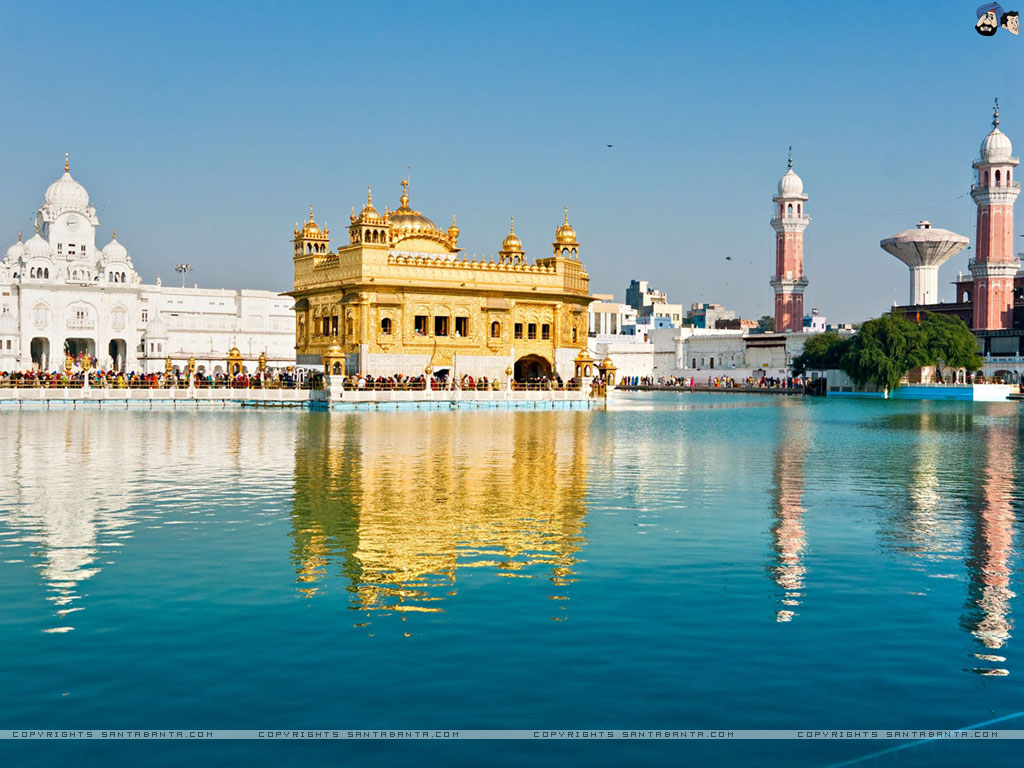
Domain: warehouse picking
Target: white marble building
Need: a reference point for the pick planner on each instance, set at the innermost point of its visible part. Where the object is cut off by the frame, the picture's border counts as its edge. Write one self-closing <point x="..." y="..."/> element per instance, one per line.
<point x="61" y="294"/>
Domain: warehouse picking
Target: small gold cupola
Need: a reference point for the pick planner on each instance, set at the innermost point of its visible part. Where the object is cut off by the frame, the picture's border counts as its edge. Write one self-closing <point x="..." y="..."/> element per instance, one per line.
<point x="310" y="239"/>
<point x="512" y="247"/>
<point x="369" y="227"/>
<point x="565" y="244"/>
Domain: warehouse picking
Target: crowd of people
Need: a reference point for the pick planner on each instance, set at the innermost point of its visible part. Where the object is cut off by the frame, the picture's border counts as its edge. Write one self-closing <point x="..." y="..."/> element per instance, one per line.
<point x="133" y="380"/>
<point x="716" y="382"/>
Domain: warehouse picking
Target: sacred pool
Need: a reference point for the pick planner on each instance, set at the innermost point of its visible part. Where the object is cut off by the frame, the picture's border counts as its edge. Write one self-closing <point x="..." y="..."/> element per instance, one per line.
<point x="694" y="561"/>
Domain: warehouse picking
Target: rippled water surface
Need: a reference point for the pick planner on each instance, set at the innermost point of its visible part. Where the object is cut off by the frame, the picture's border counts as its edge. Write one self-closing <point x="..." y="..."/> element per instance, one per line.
<point x="680" y="561"/>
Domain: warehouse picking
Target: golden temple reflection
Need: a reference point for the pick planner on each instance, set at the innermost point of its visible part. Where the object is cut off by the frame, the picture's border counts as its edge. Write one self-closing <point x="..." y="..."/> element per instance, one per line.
<point x="987" y="614"/>
<point x="397" y="504"/>
<point x="789" y="538"/>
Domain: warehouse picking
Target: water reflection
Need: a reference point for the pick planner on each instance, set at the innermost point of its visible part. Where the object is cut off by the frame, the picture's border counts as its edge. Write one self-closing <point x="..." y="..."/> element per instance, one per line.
<point x="987" y="612"/>
<point x="76" y="486"/>
<point x="789" y="538"/>
<point x="397" y="504"/>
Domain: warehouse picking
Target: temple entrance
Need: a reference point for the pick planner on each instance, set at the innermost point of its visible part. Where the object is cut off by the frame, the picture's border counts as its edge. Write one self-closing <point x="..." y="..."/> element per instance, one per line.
<point x="40" y="351"/>
<point x="117" y="350"/>
<point x="532" y="367"/>
<point x="78" y="347"/>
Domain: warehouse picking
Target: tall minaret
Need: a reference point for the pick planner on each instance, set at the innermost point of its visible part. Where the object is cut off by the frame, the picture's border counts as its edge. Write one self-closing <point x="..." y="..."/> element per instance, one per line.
<point x="994" y="266"/>
<point x="789" y="224"/>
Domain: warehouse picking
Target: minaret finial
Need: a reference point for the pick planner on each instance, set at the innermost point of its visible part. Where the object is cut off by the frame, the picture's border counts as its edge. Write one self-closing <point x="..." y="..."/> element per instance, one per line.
<point x="37" y="226"/>
<point x="311" y="212"/>
<point x="511" y="225"/>
<point x="19" y="237"/>
<point x="114" y="236"/>
<point x="369" y="195"/>
<point x="405" y="192"/>
<point x="67" y="163"/>
<point x="791" y="156"/>
<point x="995" y="114"/>
<point x="566" y="222"/>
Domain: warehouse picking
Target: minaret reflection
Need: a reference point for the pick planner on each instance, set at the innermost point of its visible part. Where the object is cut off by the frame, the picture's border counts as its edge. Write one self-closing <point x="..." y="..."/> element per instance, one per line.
<point x="987" y="612"/>
<point x="398" y="503"/>
<point x="789" y="539"/>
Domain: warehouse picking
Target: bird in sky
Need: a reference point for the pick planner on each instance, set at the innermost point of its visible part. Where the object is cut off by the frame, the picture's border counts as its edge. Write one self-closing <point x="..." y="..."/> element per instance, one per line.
<point x="609" y="145"/>
<point x="728" y="258"/>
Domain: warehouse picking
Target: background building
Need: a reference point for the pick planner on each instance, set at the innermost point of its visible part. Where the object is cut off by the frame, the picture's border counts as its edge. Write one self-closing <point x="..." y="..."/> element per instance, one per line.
<point x="61" y="294"/>
<point x="399" y="299"/>
<point x="650" y="304"/>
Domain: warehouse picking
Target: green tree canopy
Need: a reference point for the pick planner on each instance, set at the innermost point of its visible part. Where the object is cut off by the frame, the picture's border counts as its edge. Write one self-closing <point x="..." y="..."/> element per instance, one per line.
<point x="766" y="324"/>
<point x="822" y="351"/>
<point x="949" y="342"/>
<point x="884" y="350"/>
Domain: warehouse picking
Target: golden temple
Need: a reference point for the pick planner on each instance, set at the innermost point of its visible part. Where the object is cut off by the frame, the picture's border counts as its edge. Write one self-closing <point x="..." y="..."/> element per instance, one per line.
<point x="402" y="298"/>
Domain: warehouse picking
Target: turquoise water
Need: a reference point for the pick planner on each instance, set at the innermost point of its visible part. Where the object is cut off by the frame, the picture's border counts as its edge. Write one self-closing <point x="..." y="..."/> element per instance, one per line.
<point x="681" y="561"/>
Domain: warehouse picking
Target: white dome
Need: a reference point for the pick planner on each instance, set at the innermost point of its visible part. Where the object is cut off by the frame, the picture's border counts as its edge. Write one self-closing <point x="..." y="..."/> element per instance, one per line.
<point x="16" y="251"/>
<point x="156" y="329"/>
<point x="996" y="147"/>
<point x="66" y="192"/>
<point x="37" y="248"/>
<point x="790" y="185"/>
<point x="114" y="251"/>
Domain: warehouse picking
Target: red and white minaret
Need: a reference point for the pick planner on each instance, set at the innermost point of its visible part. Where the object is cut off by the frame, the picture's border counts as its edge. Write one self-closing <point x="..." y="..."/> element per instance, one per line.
<point x="994" y="265"/>
<point x="789" y="224"/>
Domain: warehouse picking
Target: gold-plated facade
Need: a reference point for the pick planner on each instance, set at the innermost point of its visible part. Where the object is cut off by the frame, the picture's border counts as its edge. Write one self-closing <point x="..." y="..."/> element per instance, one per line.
<point x="401" y="297"/>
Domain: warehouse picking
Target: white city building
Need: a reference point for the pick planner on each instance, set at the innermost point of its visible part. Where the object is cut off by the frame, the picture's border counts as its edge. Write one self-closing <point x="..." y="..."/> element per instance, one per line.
<point x="60" y="294"/>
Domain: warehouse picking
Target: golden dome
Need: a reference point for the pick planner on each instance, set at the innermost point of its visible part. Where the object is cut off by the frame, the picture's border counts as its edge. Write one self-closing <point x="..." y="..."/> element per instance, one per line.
<point x="405" y="221"/>
<point x="368" y="210"/>
<point x="565" y="234"/>
<point x="334" y="350"/>
<point x="607" y="363"/>
<point x="512" y="243"/>
<point x="234" y="352"/>
<point x="310" y="229"/>
<point x="453" y="230"/>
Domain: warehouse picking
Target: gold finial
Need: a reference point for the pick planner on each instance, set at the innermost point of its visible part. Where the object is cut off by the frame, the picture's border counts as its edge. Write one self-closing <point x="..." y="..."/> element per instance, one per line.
<point x="791" y="157"/>
<point x="405" y="192"/>
<point x="311" y="213"/>
<point x="566" y="216"/>
<point x="995" y="114"/>
<point x="453" y="219"/>
<point x="511" y="225"/>
<point x="37" y="226"/>
<point x="19" y="237"/>
<point x="114" y="236"/>
<point x="67" y="163"/>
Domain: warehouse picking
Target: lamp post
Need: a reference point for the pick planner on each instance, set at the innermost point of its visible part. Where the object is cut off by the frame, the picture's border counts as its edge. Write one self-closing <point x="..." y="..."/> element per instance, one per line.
<point x="182" y="269"/>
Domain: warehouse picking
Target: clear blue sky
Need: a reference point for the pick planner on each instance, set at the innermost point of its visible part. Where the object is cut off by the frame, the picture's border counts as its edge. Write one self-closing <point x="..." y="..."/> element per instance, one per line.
<point x="203" y="131"/>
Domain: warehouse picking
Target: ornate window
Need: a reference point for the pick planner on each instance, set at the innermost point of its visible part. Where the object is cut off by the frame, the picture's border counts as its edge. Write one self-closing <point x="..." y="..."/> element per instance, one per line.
<point x="420" y="325"/>
<point x="495" y="330"/>
<point x="385" y="326"/>
<point x="545" y="331"/>
<point x="519" y="330"/>
<point x="531" y="331"/>
<point x="462" y="326"/>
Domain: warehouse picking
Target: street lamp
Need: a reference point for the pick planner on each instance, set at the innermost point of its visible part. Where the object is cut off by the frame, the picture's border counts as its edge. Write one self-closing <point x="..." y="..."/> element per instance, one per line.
<point x="182" y="269"/>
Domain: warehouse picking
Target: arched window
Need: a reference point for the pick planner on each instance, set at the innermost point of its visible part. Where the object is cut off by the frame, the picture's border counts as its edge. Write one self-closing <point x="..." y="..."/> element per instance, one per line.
<point x="122" y="277"/>
<point x="997" y="178"/>
<point x="32" y="272"/>
<point x="46" y="273"/>
<point x="984" y="179"/>
<point x="565" y="253"/>
<point x="799" y="209"/>
<point x="385" y="326"/>
<point x="574" y="334"/>
<point x="110" y="277"/>
<point x="789" y="209"/>
<point x="495" y="330"/>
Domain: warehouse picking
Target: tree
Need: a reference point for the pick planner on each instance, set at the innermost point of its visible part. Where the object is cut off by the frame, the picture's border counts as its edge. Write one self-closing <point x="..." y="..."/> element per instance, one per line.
<point x="949" y="342"/>
<point x="822" y="351"/>
<point x="884" y="350"/>
<point x="766" y="324"/>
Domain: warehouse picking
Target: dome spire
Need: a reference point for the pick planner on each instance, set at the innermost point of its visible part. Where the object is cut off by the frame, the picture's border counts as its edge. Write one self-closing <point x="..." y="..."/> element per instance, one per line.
<point x="19" y="237"/>
<point x="790" y="156"/>
<point x="67" y="163"/>
<point x="995" y="114"/>
<point x="566" y="220"/>
<point x="113" y="235"/>
<point x="369" y="196"/>
<point x="311" y="213"/>
<point x="511" y="225"/>
<point x="405" y="193"/>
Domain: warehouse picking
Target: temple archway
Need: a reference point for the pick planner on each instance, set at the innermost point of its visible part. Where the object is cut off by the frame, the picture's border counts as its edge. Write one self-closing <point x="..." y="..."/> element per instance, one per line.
<point x="532" y="367"/>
